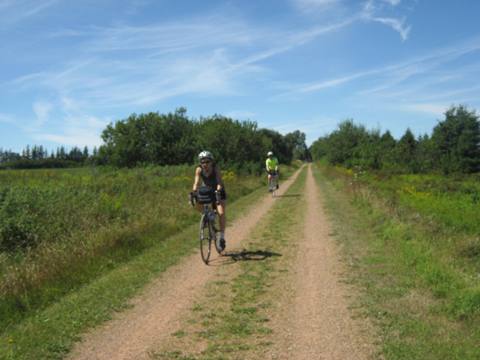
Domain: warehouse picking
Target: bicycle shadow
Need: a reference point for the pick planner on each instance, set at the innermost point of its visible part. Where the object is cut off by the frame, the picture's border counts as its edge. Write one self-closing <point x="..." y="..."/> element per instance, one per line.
<point x="231" y="257"/>
<point x="288" y="195"/>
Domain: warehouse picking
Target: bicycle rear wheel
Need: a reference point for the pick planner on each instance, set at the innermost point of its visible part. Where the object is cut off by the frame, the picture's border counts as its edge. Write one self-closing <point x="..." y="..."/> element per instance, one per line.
<point x="205" y="239"/>
<point x="274" y="186"/>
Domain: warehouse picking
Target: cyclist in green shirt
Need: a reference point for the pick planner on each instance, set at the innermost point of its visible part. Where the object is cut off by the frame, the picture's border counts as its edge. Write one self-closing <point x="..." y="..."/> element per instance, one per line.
<point x="271" y="166"/>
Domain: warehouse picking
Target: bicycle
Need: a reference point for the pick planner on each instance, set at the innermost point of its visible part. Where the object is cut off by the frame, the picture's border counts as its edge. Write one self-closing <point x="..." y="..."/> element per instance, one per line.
<point x="273" y="183"/>
<point x="208" y="221"/>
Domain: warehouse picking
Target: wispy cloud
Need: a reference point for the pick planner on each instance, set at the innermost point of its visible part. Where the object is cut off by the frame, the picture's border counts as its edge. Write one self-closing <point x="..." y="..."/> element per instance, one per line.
<point x="315" y="5"/>
<point x="394" y="74"/>
<point x="372" y="12"/>
<point x="393" y="2"/>
<point x="8" y="119"/>
<point x="396" y="24"/>
<point x="314" y="127"/>
<point x="75" y="130"/>
<point x="191" y="57"/>
<point x="14" y="11"/>
<point x="433" y="109"/>
<point x="42" y="110"/>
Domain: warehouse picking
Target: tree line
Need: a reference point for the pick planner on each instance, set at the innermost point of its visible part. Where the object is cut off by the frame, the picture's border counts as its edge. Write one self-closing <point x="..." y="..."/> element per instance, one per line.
<point x="37" y="156"/>
<point x="172" y="139"/>
<point x="453" y="146"/>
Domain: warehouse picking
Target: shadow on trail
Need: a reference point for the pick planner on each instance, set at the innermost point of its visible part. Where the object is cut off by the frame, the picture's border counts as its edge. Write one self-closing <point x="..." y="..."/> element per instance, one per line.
<point x="288" y="195"/>
<point x="231" y="257"/>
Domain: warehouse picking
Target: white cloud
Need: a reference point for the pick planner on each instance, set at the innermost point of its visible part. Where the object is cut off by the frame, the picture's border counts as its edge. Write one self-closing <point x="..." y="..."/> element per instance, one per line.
<point x="309" y="5"/>
<point x="434" y="109"/>
<point x="313" y="128"/>
<point x="198" y="57"/>
<point x="393" y="2"/>
<point x="371" y="12"/>
<point x="390" y="75"/>
<point x="4" y="118"/>
<point x="14" y="11"/>
<point x="396" y="24"/>
<point x="42" y="110"/>
<point x="76" y="131"/>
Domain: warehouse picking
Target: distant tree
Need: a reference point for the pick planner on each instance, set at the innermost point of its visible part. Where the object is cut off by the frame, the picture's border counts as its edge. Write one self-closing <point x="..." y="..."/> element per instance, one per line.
<point x="387" y="148"/>
<point x="406" y="152"/>
<point x="149" y="138"/>
<point x="296" y="144"/>
<point x="425" y="154"/>
<point x="343" y="143"/>
<point x="369" y="151"/>
<point x="456" y="140"/>
<point x="275" y="142"/>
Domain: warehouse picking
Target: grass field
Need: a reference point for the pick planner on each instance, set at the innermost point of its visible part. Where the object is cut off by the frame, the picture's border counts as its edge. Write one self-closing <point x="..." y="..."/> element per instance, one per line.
<point x="115" y="230"/>
<point x="412" y="243"/>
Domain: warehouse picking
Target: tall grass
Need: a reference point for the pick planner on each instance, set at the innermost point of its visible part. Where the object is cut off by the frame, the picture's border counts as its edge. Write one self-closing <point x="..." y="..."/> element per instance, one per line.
<point x="416" y="257"/>
<point x="60" y="228"/>
<point x="445" y="215"/>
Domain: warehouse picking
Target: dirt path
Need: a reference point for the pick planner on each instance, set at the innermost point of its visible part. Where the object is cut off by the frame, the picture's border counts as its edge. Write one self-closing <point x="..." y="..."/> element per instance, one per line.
<point x="317" y="323"/>
<point x="155" y="314"/>
<point x="311" y="321"/>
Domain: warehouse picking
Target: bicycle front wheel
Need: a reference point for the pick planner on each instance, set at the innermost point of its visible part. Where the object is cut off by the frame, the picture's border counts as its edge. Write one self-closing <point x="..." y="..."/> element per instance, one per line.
<point x="205" y="239"/>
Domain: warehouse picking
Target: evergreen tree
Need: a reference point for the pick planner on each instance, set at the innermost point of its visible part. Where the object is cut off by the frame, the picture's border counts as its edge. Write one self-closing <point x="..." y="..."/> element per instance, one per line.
<point x="457" y="141"/>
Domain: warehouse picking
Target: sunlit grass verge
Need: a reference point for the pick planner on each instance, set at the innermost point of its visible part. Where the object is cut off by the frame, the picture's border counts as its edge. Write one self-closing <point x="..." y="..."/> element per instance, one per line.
<point x="102" y="285"/>
<point x="84" y="223"/>
<point x="232" y="321"/>
<point x="423" y="301"/>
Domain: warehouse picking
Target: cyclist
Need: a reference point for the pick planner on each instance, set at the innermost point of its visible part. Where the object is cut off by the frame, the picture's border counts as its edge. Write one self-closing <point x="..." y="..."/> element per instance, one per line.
<point x="208" y="174"/>
<point x="271" y="165"/>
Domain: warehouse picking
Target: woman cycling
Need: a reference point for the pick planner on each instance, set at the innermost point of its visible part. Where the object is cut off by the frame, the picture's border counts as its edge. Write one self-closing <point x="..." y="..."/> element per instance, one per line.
<point x="208" y="174"/>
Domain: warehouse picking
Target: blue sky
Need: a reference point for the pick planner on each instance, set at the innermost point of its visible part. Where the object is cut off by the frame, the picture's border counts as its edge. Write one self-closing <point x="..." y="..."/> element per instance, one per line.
<point x="68" y="68"/>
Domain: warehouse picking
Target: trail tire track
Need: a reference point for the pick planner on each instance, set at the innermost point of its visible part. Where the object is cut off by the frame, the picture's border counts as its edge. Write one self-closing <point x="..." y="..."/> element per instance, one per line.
<point x="317" y="323"/>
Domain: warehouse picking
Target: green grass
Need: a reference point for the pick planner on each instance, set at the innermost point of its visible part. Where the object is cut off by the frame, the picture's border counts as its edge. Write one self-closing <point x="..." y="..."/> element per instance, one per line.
<point x="71" y="302"/>
<point x="84" y="223"/>
<point x="233" y="319"/>
<point x="416" y="287"/>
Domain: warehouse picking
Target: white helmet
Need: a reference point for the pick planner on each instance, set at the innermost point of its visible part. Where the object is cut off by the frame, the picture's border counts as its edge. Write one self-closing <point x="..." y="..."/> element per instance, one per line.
<point x="269" y="153"/>
<point x="205" y="155"/>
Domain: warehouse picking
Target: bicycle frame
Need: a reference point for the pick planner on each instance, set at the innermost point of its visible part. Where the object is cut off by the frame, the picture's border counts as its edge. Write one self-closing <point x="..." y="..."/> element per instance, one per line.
<point x="272" y="184"/>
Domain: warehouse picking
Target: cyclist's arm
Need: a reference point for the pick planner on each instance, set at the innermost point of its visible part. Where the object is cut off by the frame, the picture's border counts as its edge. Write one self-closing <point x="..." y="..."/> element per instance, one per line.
<point x="218" y="174"/>
<point x="196" y="182"/>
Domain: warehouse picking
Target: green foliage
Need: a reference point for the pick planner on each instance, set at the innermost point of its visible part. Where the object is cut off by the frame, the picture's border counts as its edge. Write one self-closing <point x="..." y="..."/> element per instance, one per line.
<point x="457" y="141"/>
<point x="149" y="138"/>
<point x="416" y="261"/>
<point x="453" y="147"/>
<point x="169" y="139"/>
<point x="406" y="152"/>
<point x="59" y="227"/>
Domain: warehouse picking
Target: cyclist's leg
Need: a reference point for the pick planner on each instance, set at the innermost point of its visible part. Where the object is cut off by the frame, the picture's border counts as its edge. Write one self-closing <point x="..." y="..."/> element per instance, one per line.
<point x="222" y="219"/>
<point x="221" y="215"/>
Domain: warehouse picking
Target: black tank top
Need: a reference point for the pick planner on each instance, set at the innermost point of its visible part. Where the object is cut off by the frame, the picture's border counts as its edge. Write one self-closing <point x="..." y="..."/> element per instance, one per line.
<point x="211" y="180"/>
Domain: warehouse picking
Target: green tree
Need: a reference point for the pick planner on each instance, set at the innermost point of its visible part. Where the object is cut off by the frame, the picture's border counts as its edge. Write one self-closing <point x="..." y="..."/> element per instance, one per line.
<point x="406" y="152"/>
<point x="456" y="140"/>
<point x="296" y="144"/>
